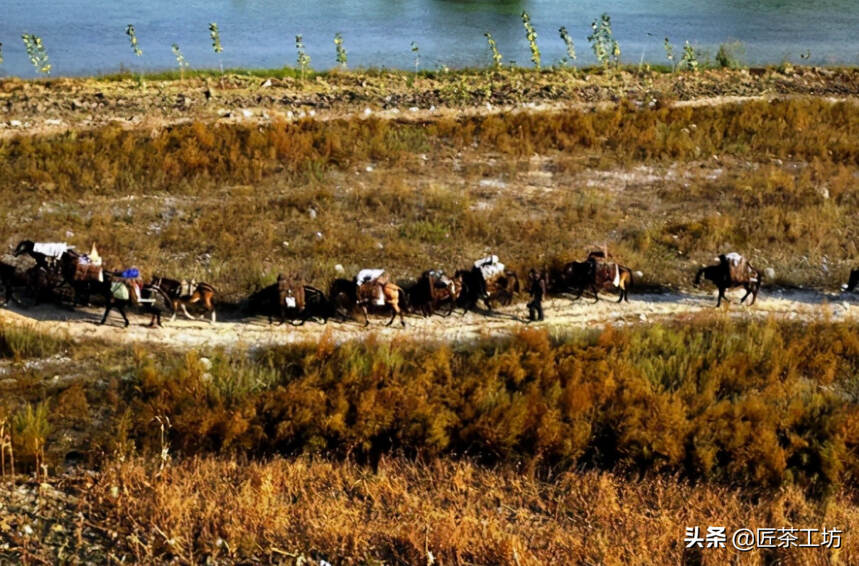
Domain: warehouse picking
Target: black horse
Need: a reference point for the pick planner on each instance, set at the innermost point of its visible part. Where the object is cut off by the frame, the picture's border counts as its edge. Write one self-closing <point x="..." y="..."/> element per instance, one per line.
<point x="725" y="277"/>
<point x="854" y="280"/>
<point x="432" y="291"/>
<point x="28" y="247"/>
<point x="343" y="298"/>
<point x="9" y="278"/>
<point x="475" y="288"/>
<point x="267" y="302"/>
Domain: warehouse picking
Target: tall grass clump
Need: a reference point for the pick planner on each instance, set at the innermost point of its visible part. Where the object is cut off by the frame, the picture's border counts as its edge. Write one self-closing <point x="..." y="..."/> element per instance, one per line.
<point x="493" y="49"/>
<point x="605" y="46"/>
<point x="22" y="342"/>
<point x="30" y="429"/>
<point x="36" y="52"/>
<point x="1" y="52"/>
<point x="531" y="36"/>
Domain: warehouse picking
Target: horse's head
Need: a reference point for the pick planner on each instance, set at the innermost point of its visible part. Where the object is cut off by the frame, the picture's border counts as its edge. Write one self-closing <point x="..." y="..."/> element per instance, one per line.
<point x="24" y="247"/>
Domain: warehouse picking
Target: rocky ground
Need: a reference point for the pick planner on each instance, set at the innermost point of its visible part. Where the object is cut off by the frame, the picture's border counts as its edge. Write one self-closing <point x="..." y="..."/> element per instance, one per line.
<point x="57" y="105"/>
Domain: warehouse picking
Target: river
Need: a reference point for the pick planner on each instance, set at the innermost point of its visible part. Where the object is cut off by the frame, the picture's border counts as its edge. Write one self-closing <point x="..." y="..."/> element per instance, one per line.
<point x="88" y="37"/>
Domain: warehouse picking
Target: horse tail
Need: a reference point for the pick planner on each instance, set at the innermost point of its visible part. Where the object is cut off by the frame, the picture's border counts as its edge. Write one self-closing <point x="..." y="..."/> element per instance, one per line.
<point x="630" y="281"/>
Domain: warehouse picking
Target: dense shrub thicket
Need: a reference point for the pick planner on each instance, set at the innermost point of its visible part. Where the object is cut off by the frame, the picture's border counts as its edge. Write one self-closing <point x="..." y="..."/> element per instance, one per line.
<point x="757" y="403"/>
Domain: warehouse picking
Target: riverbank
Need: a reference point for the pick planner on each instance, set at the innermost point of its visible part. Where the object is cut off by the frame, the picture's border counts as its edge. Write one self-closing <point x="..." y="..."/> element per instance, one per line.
<point x="35" y="107"/>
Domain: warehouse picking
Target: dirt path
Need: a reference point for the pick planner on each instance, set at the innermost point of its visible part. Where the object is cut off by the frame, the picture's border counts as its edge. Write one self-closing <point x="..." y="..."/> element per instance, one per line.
<point x="561" y="314"/>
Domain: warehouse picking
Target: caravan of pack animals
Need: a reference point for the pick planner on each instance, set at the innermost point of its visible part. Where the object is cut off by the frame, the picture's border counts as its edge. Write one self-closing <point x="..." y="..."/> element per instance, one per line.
<point x="60" y="271"/>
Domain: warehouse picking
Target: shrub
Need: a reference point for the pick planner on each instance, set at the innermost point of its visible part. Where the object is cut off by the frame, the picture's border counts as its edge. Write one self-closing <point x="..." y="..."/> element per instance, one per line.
<point x="720" y="400"/>
<point x="730" y="55"/>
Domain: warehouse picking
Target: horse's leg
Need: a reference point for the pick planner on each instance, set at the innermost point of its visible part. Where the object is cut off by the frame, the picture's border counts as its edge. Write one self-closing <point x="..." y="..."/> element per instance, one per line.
<point x="596" y="293"/>
<point x="121" y="308"/>
<point x="721" y="296"/>
<point x="366" y="317"/>
<point x="620" y="298"/>
<point x="175" y="304"/>
<point x="397" y="311"/>
<point x="748" y="292"/>
<point x="187" y="314"/>
<point x="213" y="315"/>
<point x="106" y="311"/>
<point x="393" y="313"/>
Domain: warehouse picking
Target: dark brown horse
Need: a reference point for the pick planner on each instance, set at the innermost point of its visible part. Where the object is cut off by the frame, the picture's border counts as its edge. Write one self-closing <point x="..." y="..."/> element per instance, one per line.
<point x="854" y="280"/>
<point x="84" y="278"/>
<point x="186" y="293"/>
<point x="432" y="291"/>
<point x="728" y="274"/>
<point x="503" y="287"/>
<point x="593" y="274"/>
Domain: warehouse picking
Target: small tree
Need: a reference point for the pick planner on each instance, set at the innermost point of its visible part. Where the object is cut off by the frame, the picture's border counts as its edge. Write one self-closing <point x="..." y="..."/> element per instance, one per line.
<point x="417" y="52"/>
<point x="132" y="39"/>
<point x="180" y="60"/>
<point x="606" y="48"/>
<point x="493" y="47"/>
<point x="669" y="53"/>
<point x="36" y="52"/>
<point x="303" y="58"/>
<point x="215" y="35"/>
<point x="689" y="61"/>
<point x="341" y="51"/>
<point x="531" y="35"/>
<point x="135" y="48"/>
<point x="568" y="42"/>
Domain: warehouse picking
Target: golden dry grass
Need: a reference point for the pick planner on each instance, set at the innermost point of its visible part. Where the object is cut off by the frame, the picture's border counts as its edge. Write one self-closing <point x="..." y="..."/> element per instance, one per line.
<point x="665" y="189"/>
<point x="208" y="509"/>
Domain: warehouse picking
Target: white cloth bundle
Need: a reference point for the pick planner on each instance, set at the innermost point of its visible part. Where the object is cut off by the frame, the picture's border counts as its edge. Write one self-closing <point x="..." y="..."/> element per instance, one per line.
<point x="734" y="258"/>
<point x="51" y="249"/>
<point x="489" y="266"/>
<point x="368" y="275"/>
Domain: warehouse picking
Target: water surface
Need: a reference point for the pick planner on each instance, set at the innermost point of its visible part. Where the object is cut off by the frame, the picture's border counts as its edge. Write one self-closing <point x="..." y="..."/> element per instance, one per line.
<point x="88" y="37"/>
